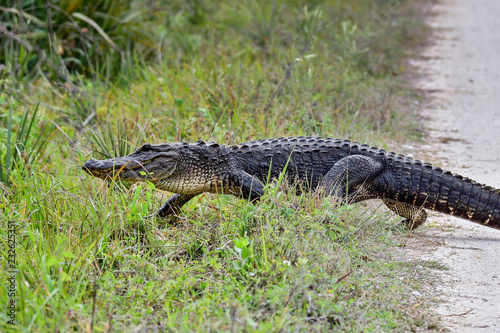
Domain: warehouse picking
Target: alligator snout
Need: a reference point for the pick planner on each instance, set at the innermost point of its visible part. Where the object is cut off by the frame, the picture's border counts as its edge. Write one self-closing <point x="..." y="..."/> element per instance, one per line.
<point x="104" y="168"/>
<point x="94" y="164"/>
<point x="95" y="168"/>
<point x="89" y="163"/>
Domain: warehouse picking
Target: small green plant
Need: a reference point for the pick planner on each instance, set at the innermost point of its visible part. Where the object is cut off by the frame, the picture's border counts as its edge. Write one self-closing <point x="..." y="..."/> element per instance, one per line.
<point x="243" y="252"/>
<point x="141" y="208"/>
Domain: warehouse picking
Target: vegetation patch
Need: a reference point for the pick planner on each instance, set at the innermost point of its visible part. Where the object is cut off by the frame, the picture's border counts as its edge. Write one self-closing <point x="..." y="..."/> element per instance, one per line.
<point x="82" y="80"/>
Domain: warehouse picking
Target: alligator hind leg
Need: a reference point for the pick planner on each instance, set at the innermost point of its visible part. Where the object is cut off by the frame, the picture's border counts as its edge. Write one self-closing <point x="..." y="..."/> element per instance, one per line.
<point x="348" y="174"/>
<point x="415" y="216"/>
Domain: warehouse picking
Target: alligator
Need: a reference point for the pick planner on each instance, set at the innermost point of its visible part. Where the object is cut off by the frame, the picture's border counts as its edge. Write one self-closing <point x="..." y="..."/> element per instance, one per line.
<point x="341" y="169"/>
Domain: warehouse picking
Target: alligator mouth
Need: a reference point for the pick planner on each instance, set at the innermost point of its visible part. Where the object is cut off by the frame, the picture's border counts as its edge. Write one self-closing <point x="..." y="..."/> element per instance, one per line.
<point x="114" y="168"/>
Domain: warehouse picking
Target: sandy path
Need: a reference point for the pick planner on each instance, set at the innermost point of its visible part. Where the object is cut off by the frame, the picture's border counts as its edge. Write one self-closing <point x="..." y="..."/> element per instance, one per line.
<point x="461" y="72"/>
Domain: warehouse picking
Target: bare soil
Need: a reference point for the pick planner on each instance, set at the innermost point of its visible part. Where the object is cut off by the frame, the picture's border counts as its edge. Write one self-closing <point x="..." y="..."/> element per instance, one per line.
<point x="461" y="74"/>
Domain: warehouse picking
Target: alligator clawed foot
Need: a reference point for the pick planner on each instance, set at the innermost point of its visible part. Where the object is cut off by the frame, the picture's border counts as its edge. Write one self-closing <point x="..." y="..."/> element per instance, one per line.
<point x="407" y="224"/>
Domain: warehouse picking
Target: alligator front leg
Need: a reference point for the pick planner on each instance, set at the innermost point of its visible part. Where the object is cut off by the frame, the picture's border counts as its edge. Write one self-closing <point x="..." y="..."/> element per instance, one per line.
<point x="244" y="185"/>
<point x="240" y="184"/>
<point x="349" y="173"/>
<point x="173" y="205"/>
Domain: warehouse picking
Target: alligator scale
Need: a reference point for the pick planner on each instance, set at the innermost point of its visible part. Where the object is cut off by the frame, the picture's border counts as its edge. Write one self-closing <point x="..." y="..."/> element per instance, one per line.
<point x="340" y="168"/>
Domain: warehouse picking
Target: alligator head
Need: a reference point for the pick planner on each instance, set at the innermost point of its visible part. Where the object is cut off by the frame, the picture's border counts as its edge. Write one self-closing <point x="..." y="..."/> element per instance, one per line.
<point x="149" y="162"/>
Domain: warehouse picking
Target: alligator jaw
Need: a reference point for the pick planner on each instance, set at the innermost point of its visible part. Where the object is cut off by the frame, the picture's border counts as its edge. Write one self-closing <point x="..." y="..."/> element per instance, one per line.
<point x="132" y="167"/>
<point x="108" y="168"/>
<point x="119" y="168"/>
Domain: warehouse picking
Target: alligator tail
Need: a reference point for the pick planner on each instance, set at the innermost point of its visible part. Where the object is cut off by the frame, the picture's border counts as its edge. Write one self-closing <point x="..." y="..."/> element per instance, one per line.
<point x="424" y="185"/>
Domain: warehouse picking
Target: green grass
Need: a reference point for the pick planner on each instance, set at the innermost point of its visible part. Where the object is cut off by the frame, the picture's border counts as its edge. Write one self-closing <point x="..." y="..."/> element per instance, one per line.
<point x="289" y="263"/>
<point x="89" y="261"/>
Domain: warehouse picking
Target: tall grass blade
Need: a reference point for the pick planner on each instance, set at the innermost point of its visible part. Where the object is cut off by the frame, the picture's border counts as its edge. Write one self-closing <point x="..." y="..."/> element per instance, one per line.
<point x="98" y="28"/>
<point x="24" y="136"/>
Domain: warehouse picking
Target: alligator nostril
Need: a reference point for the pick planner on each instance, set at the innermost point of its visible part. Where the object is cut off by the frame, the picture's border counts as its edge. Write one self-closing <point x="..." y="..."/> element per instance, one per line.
<point x="89" y="164"/>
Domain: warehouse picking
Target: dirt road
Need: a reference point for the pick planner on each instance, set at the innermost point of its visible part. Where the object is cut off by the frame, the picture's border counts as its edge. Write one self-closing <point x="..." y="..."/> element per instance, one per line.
<point x="461" y="72"/>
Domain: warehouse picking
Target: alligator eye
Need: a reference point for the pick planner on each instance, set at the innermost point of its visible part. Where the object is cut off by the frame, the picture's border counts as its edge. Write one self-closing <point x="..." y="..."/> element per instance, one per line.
<point x="146" y="147"/>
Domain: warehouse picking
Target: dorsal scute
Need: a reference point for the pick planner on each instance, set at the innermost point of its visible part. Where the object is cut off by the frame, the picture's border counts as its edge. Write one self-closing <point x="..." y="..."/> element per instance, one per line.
<point x="418" y="163"/>
<point x="398" y="159"/>
<point x="364" y="148"/>
<point x="437" y="169"/>
<point x="391" y="154"/>
<point x="354" y="146"/>
<point x="213" y="144"/>
<point x="427" y="166"/>
<point x="407" y="158"/>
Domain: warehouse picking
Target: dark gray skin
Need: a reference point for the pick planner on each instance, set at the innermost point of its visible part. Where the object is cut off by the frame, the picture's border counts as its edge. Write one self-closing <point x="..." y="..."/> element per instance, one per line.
<point x="345" y="170"/>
